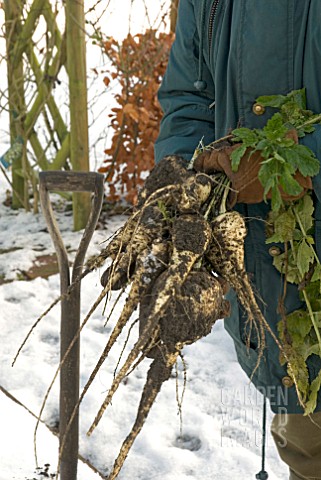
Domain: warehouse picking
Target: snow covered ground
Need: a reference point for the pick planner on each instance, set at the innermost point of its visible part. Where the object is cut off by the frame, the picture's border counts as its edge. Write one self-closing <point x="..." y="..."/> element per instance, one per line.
<point x="221" y="428"/>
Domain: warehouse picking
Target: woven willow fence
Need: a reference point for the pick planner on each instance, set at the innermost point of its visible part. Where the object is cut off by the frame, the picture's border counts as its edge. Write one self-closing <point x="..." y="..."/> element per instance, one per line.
<point x="27" y="64"/>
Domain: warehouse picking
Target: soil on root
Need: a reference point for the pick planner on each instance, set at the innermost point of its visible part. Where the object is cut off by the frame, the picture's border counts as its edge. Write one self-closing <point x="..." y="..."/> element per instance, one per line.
<point x="171" y="170"/>
<point x="190" y="314"/>
<point x="151" y="227"/>
<point x="190" y="233"/>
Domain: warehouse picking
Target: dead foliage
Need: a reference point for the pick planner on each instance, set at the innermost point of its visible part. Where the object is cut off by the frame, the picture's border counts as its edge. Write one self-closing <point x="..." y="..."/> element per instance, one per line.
<point x="138" y="64"/>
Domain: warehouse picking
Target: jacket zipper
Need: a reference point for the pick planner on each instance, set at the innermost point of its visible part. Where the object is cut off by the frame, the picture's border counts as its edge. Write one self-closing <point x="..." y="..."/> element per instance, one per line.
<point x="213" y="13"/>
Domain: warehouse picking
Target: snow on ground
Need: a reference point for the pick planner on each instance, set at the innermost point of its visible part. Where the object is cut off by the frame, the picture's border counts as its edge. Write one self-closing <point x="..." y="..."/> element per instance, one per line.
<point x="17" y="428"/>
<point x="221" y="413"/>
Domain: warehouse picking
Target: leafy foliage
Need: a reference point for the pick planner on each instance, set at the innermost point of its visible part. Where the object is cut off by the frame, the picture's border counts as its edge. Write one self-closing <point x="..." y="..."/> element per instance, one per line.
<point x="283" y="157"/>
<point x="300" y="330"/>
<point x="293" y="110"/>
<point x="292" y="224"/>
<point x="139" y="63"/>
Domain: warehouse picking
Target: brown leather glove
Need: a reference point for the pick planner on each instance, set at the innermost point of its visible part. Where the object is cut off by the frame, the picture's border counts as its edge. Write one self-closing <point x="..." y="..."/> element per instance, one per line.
<point x="246" y="187"/>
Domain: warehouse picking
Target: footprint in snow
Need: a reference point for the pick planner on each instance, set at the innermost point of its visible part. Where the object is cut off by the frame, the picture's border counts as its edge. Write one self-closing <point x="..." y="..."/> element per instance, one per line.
<point x="188" y="442"/>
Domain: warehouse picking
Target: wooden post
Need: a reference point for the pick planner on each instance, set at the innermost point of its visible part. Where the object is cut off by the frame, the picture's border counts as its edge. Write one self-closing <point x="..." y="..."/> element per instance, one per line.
<point x="173" y="15"/>
<point x="76" y="67"/>
<point x="13" y="9"/>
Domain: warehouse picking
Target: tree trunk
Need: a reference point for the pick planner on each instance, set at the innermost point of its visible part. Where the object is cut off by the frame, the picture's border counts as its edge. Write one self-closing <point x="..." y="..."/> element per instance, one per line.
<point x="13" y="10"/>
<point x="76" y="66"/>
<point x="173" y="15"/>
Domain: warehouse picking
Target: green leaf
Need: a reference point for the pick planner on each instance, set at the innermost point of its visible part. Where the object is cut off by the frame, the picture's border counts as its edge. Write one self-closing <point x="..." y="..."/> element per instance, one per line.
<point x="290" y="185"/>
<point x="299" y="325"/>
<point x="305" y="257"/>
<point x="286" y="142"/>
<point x="276" y="199"/>
<point x="275" y="238"/>
<point x="298" y="97"/>
<point x="317" y="319"/>
<point x="275" y="128"/>
<point x="306" y="346"/>
<point x="317" y="273"/>
<point x="265" y="145"/>
<point x="297" y="235"/>
<point x="295" y="97"/>
<point x="272" y="182"/>
<point x="316" y="306"/>
<point x="292" y="157"/>
<point x="274" y="101"/>
<point x="304" y="209"/>
<point x="307" y="163"/>
<point x="246" y="136"/>
<point x="265" y="177"/>
<point x="278" y="157"/>
<point x="313" y="395"/>
<point x="309" y="348"/>
<point x="287" y="264"/>
<point x="313" y="291"/>
<point x="310" y="240"/>
<point x="308" y="129"/>
<point x="299" y="373"/>
<point x="284" y="226"/>
<point x="279" y="263"/>
<point x="268" y="173"/>
<point x="237" y="156"/>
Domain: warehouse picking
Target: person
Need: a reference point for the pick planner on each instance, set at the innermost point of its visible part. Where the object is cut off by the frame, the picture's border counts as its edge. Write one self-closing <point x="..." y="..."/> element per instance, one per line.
<point x="226" y="54"/>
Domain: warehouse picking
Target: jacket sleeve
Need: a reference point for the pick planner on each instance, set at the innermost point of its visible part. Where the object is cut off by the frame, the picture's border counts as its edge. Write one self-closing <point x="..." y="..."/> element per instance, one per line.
<point x="188" y="117"/>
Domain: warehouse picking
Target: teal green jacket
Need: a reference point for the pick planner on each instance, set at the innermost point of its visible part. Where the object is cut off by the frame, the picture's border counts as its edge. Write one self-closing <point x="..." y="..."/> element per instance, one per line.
<point x="226" y="54"/>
